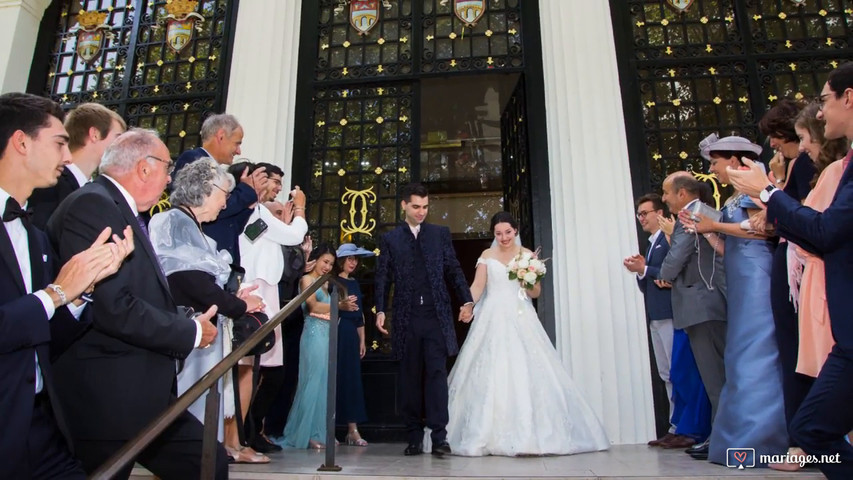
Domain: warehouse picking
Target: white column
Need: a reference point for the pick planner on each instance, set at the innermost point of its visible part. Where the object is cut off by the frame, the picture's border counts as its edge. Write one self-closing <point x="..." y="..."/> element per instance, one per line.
<point x="19" y="27"/>
<point x="262" y="86"/>
<point x="600" y="321"/>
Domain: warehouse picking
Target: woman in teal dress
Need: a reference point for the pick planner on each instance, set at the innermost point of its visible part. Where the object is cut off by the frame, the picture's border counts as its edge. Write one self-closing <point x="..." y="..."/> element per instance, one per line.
<point x="306" y="423"/>
<point x="751" y="412"/>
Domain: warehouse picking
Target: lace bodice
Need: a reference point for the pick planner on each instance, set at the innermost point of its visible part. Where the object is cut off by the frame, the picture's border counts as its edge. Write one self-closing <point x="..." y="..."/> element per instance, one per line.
<point x="498" y="283"/>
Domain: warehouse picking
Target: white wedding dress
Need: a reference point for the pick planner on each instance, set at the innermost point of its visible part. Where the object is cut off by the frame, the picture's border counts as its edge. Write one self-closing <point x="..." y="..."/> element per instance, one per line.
<point x="509" y="393"/>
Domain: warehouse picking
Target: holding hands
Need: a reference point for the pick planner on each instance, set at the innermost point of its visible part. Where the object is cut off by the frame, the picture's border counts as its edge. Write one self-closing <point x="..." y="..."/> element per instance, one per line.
<point x="466" y="312"/>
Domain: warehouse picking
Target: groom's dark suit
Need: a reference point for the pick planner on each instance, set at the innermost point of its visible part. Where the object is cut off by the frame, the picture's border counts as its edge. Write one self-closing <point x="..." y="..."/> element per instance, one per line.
<point x="120" y="374"/>
<point x="420" y="269"/>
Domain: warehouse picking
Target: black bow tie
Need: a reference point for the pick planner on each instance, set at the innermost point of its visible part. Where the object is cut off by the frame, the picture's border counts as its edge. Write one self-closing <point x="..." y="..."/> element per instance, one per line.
<point x="14" y="210"/>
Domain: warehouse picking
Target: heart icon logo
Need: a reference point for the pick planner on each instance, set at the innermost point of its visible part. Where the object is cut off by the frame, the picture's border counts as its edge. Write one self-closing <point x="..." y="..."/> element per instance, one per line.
<point x="740" y="456"/>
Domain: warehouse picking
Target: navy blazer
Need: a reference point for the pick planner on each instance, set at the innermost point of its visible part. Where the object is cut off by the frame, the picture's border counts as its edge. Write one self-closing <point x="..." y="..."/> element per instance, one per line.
<point x="121" y="373"/>
<point x="24" y="331"/>
<point x="232" y="220"/>
<point x="44" y="201"/>
<point x="395" y="265"/>
<point x="830" y="235"/>
<point x="658" y="300"/>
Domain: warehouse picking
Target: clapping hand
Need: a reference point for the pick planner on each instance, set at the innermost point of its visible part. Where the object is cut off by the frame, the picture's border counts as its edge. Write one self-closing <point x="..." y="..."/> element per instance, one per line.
<point x="635" y="263"/>
<point x="666" y="224"/>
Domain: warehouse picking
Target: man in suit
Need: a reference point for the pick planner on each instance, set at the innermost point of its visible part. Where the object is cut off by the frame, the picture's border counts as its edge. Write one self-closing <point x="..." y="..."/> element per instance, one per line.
<point x="91" y="129"/>
<point x="221" y="138"/>
<point x="658" y="302"/>
<point x="824" y="417"/>
<point x="33" y="149"/>
<point x="418" y="258"/>
<point x="120" y="375"/>
<point x="698" y="292"/>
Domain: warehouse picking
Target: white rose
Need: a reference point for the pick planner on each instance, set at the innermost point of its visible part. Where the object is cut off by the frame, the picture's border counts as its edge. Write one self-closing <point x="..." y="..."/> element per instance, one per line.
<point x="536" y="264"/>
<point x="523" y="263"/>
<point x="530" y="278"/>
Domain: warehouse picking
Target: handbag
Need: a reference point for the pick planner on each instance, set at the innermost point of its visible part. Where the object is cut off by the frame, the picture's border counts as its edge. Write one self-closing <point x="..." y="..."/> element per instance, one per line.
<point x="244" y="326"/>
<point x="247" y="324"/>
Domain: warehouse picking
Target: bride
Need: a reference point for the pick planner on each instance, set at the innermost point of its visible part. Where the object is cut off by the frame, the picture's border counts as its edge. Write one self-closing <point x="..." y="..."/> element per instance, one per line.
<point x="509" y="393"/>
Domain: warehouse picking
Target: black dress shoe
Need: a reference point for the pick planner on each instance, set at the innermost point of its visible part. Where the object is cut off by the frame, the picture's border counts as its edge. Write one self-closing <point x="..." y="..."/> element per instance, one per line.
<point x="441" y="448"/>
<point x="413" y="449"/>
<point x="700" y="453"/>
<point x="261" y="445"/>
<point x="698" y="448"/>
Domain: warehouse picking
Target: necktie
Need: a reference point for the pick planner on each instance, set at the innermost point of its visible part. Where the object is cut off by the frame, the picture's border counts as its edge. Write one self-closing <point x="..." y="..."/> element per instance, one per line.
<point x="14" y="210"/>
<point x="142" y="225"/>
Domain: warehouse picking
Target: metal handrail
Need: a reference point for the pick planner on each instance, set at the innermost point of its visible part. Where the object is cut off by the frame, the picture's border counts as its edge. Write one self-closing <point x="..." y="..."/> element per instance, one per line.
<point x="209" y="382"/>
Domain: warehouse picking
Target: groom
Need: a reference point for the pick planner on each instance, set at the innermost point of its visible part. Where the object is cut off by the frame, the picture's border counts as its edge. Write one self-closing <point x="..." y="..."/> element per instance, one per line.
<point x="418" y="258"/>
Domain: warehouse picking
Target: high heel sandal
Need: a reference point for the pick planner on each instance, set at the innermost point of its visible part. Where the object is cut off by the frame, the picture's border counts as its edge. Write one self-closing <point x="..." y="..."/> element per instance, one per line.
<point x="315" y="445"/>
<point x="246" y="455"/>
<point x="353" y="442"/>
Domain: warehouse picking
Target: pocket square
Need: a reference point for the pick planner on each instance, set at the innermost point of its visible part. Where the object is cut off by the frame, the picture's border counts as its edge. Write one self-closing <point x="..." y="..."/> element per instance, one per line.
<point x="44" y="258"/>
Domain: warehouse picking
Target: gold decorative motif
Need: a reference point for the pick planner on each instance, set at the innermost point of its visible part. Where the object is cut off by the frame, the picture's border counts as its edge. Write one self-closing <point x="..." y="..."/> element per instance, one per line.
<point x="380" y="68"/>
<point x="381" y="41"/>
<point x="729" y="18"/>
<point x="140" y="65"/>
<point x="69" y="72"/>
<point x="718" y="100"/>
<point x="212" y="58"/>
<point x="650" y="104"/>
<point x="683" y="155"/>
<point x="91" y="31"/>
<point x="404" y="118"/>
<point x="788" y="44"/>
<point x="182" y="134"/>
<point x="704" y="20"/>
<point x="186" y="106"/>
<point x="378" y="170"/>
<point x="664" y="22"/>
<point x="640" y="24"/>
<point x="154" y="109"/>
<point x="453" y="63"/>
<point x="159" y="63"/>
<point x="343" y="122"/>
<point x="799" y="95"/>
<point x="452" y="35"/>
<point x="829" y="42"/>
<point x="346" y="44"/>
<point x="191" y="59"/>
<point x="772" y="97"/>
<point x="376" y="252"/>
<point x="380" y="90"/>
<point x="743" y="99"/>
<point x="318" y="173"/>
<point x="708" y="48"/>
<point x="429" y="38"/>
<point x="375" y="344"/>
<point x="402" y="169"/>
<point x="379" y="120"/>
<point x="489" y="33"/>
<point x="358" y="221"/>
<point x="676" y="102"/>
<point x="756" y="17"/>
<point x="94" y="94"/>
<point x="189" y="86"/>
<point x="99" y="69"/>
<point x="162" y="205"/>
<point x="490" y="61"/>
<point x="672" y="72"/>
<point x="404" y="40"/>
<point x="668" y="50"/>
<point x="712" y="179"/>
<point x="156" y="88"/>
<point x="822" y="12"/>
<point x="321" y="123"/>
<point x="342" y="172"/>
<point x="65" y="98"/>
<point x="834" y="64"/>
<point x="345" y="71"/>
<point x="782" y="15"/>
<point x="324" y="46"/>
<point x="657" y="156"/>
<point x="181" y="23"/>
<point x="345" y="93"/>
<point x="793" y="66"/>
<point x="91" y="19"/>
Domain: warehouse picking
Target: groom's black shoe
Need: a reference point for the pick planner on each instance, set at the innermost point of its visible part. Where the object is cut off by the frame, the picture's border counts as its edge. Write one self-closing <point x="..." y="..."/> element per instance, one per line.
<point x="413" y="449"/>
<point x="441" y="448"/>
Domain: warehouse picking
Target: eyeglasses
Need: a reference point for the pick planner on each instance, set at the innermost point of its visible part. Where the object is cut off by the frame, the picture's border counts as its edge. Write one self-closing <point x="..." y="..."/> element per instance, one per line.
<point x="170" y="164"/>
<point x="642" y="215"/>
<point x="226" y="192"/>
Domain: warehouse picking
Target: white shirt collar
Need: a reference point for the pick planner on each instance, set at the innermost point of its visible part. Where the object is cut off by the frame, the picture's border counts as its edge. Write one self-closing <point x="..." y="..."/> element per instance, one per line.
<point x="690" y="203"/>
<point x="654" y="237"/>
<point x="127" y="197"/>
<point x="415" y="230"/>
<point x="78" y="174"/>
<point x="4" y="197"/>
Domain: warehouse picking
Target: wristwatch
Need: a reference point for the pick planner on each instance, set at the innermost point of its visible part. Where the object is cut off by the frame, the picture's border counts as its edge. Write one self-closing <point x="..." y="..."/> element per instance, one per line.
<point x="764" y="195"/>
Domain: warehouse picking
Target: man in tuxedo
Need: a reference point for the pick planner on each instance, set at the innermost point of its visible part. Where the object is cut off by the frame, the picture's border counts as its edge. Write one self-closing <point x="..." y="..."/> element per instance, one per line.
<point x="658" y="302"/>
<point x="698" y="292"/>
<point x="418" y="258"/>
<point x="33" y="149"/>
<point x="91" y="129"/>
<point x="824" y="417"/>
<point x="120" y="375"/>
<point x="221" y="138"/>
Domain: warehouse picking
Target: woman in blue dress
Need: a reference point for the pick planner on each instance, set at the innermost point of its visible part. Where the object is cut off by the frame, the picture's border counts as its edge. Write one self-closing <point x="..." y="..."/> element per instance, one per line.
<point x="751" y="412"/>
<point x="306" y="423"/>
<point x="351" y="349"/>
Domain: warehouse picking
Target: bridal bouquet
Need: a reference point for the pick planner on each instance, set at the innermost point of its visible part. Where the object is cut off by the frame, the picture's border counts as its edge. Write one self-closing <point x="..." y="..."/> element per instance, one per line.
<point x="527" y="269"/>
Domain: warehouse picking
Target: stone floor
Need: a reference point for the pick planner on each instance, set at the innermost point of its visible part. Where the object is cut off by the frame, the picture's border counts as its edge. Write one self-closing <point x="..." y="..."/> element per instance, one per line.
<point x="386" y="461"/>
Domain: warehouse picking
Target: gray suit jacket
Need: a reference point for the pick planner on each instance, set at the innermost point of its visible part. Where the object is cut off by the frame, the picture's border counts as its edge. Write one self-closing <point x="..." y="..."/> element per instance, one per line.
<point x="692" y="301"/>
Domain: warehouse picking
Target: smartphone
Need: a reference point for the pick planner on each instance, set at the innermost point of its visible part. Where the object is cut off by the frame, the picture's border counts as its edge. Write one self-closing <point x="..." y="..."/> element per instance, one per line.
<point x="255" y="229"/>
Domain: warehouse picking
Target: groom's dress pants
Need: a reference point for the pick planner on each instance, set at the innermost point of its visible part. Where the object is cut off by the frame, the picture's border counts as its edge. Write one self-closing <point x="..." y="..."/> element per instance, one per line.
<point x="423" y="369"/>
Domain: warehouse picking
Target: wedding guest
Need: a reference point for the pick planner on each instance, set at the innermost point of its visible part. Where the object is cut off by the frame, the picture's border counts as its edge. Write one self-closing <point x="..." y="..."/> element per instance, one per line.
<point x="824" y="418"/>
<point x="34" y="296"/>
<point x="306" y="423"/>
<point x="197" y="272"/>
<point x="806" y="272"/>
<point x="91" y="129"/>
<point x="263" y="260"/>
<point x="698" y="282"/>
<point x="751" y="411"/>
<point x="793" y="171"/>
<point x="351" y="348"/>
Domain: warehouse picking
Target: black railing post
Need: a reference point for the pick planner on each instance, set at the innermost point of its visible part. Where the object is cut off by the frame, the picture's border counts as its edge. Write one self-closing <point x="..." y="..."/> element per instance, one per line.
<point x="211" y="430"/>
<point x="332" y="381"/>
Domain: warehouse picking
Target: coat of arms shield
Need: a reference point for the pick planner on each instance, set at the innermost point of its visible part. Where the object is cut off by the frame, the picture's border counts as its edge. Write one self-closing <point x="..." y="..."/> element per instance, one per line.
<point x="179" y="33"/>
<point x="363" y="15"/>
<point x="89" y="44"/>
<point x="680" y="5"/>
<point x="469" y="11"/>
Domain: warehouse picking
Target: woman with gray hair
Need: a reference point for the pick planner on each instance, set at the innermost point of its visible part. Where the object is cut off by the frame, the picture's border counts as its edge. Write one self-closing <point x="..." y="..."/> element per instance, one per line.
<point x="197" y="272"/>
